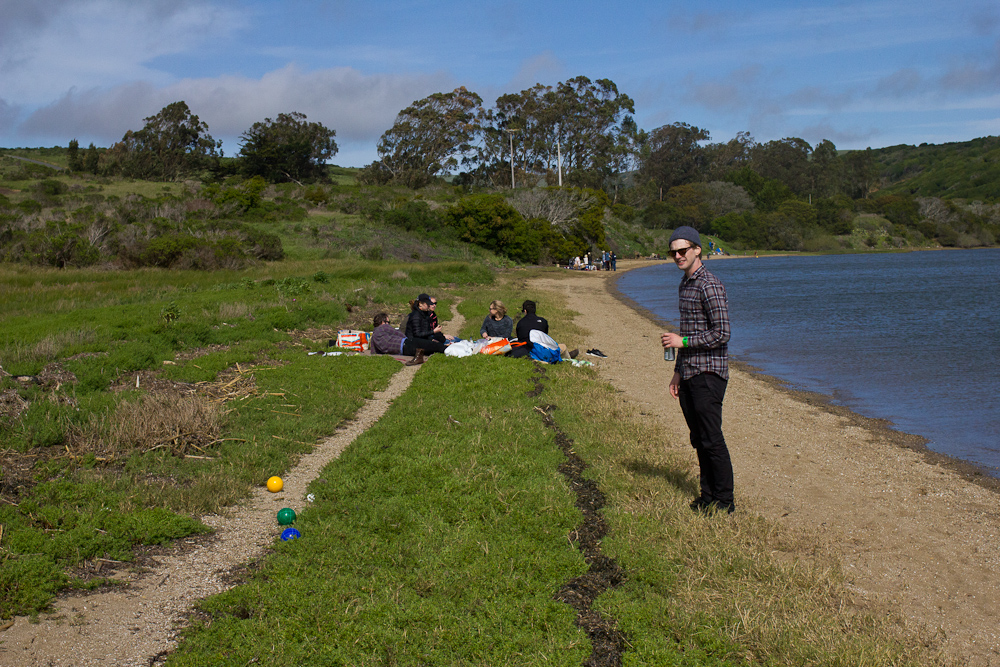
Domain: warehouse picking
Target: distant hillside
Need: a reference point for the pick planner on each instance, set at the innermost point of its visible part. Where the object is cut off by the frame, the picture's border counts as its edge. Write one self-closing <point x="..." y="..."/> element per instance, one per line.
<point x="961" y="170"/>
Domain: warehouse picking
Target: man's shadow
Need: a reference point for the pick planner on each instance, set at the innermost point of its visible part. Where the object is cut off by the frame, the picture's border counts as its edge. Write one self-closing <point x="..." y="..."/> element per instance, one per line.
<point x="679" y="479"/>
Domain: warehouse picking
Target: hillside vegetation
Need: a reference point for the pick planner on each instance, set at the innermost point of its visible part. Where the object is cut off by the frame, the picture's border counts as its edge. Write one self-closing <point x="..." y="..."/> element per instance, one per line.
<point x="968" y="170"/>
<point x="444" y="188"/>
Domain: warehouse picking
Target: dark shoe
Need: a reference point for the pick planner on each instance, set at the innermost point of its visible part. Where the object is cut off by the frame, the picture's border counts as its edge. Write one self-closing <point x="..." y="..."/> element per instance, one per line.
<point x="573" y="354"/>
<point x="597" y="353"/>
<point x="417" y="360"/>
<point x="700" y="504"/>
<point x="712" y="506"/>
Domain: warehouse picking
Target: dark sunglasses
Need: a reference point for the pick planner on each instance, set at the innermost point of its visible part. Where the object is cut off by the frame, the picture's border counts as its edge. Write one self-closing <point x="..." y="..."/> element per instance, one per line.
<point x="679" y="251"/>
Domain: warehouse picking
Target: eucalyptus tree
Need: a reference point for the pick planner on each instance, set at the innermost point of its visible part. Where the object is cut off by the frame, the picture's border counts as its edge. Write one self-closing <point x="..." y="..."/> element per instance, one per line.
<point x="172" y="143"/>
<point x="287" y="148"/>
<point x="786" y="160"/>
<point x="584" y="125"/>
<point x="673" y="155"/>
<point x="430" y="137"/>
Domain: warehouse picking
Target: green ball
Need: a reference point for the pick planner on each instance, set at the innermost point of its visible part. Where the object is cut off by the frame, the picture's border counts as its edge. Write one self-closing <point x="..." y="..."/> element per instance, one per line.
<point x="286" y="516"/>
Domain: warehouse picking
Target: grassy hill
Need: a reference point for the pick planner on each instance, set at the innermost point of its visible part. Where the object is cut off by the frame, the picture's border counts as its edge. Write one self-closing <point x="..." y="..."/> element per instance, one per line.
<point x="961" y="170"/>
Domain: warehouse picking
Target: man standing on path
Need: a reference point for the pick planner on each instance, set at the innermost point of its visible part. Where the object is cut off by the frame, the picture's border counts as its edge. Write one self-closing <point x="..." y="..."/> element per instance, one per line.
<point x="701" y="370"/>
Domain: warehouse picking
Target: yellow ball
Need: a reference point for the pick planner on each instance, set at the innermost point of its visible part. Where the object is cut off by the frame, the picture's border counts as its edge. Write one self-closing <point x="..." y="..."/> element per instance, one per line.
<point x="275" y="484"/>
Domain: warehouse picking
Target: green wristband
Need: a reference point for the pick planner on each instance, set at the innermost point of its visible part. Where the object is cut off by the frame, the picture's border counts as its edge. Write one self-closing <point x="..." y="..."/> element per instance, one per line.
<point x="684" y="341"/>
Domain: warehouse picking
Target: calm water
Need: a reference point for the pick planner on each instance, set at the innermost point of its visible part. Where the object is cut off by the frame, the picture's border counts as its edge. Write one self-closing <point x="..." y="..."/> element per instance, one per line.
<point x="913" y="338"/>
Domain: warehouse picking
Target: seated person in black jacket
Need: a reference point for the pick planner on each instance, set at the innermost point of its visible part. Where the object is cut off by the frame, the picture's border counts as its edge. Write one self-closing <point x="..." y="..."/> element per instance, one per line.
<point x="529" y="322"/>
<point x="418" y="324"/>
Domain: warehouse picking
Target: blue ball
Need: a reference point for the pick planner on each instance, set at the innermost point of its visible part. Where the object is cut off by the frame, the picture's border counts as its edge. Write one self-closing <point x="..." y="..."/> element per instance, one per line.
<point x="289" y="534"/>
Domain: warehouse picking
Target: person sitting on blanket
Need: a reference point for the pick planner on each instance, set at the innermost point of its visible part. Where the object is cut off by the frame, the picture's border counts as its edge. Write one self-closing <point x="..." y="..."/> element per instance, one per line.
<point x="497" y="324"/>
<point x="386" y="339"/>
<point x="529" y="322"/>
<point x="432" y="311"/>
<point x="418" y="324"/>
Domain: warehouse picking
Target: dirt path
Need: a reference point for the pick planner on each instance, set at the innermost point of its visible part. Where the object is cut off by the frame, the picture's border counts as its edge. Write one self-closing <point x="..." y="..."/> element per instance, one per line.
<point x="138" y="624"/>
<point x="909" y="530"/>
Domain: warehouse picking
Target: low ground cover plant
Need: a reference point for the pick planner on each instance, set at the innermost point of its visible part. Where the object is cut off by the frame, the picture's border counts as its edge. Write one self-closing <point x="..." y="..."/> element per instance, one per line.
<point x="446" y="535"/>
<point x="118" y="421"/>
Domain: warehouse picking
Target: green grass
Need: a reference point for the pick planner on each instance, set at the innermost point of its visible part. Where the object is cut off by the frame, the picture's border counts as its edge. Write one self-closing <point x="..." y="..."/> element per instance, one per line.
<point x="440" y="537"/>
<point x="88" y="337"/>
<point x="709" y="590"/>
<point x="325" y="235"/>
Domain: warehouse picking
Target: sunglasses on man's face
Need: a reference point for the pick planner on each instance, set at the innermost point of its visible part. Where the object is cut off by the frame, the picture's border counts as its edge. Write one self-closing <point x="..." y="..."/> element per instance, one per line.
<point x="679" y="251"/>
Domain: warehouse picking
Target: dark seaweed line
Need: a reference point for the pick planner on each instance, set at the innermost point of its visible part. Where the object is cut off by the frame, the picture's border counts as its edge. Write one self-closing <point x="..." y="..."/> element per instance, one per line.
<point x="607" y="642"/>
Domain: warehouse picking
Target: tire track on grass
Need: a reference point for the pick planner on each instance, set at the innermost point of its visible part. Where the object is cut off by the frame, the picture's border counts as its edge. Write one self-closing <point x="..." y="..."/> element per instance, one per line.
<point x="607" y="642"/>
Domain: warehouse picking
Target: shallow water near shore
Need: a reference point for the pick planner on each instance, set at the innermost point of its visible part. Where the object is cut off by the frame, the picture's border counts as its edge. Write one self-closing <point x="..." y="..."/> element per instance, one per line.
<point x="913" y="338"/>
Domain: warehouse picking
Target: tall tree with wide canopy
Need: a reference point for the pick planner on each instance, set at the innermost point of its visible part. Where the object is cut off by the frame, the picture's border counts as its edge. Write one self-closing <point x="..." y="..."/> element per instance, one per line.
<point x="174" y="142"/>
<point x="585" y="122"/>
<point x="786" y="160"/>
<point x="592" y="126"/>
<point x="673" y="155"/>
<point x="430" y="137"/>
<point x="288" y="148"/>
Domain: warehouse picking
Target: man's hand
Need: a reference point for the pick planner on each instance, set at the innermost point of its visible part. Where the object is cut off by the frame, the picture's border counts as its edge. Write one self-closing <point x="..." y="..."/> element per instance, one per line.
<point x="675" y="384"/>
<point x="671" y="340"/>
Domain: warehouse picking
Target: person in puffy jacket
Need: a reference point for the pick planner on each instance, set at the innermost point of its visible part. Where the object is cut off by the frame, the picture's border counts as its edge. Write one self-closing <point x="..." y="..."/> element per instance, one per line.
<point x="418" y="324"/>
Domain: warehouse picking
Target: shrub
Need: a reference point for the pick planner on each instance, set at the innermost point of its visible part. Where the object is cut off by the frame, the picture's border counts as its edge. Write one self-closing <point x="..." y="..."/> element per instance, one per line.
<point x="490" y="222"/>
<point x="166" y="250"/>
<point x="50" y="187"/>
<point x="413" y="216"/>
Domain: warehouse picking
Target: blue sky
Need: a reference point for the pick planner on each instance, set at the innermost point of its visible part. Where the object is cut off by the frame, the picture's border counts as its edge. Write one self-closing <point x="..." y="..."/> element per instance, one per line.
<point x="859" y="73"/>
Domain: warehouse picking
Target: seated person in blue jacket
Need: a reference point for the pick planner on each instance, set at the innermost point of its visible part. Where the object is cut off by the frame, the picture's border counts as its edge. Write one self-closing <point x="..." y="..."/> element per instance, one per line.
<point x="386" y="339"/>
<point x="497" y="324"/>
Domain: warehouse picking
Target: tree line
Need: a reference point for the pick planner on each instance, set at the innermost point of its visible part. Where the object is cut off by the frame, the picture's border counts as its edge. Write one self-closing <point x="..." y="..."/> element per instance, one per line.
<point x="175" y="143"/>
<point x="576" y="148"/>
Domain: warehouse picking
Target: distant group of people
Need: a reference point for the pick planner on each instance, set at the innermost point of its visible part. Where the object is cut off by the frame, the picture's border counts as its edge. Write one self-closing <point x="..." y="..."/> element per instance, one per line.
<point x="607" y="262"/>
<point x="421" y="335"/>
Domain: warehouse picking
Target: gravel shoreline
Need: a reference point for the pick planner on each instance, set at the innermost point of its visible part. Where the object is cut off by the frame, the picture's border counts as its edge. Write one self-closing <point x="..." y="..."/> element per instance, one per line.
<point x="915" y="533"/>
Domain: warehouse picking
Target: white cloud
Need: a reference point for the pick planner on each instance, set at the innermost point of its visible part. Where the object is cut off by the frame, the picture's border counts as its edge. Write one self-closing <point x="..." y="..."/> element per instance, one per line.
<point x="359" y="107"/>
<point x="736" y="91"/>
<point x="544" y="68"/>
<point x="974" y="75"/>
<point x="55" y="46"/>
<point x="901" y="83"/>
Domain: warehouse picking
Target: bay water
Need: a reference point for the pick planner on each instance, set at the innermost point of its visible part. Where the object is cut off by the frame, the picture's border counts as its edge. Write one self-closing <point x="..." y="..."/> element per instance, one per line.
<point x="912" y="337"/>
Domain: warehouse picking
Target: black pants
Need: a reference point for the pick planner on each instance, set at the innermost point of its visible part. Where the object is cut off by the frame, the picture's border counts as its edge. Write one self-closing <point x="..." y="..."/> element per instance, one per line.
<point x="411" y="345"/>
<point x="701" y="402"/>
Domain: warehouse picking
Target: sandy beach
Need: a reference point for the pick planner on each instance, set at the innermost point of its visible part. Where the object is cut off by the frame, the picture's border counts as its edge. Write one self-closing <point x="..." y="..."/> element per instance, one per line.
<point x="916" y="534"/>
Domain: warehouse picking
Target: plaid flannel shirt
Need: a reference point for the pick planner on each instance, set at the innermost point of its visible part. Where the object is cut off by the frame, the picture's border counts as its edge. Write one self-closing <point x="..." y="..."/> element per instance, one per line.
<point x="704" y="313"/>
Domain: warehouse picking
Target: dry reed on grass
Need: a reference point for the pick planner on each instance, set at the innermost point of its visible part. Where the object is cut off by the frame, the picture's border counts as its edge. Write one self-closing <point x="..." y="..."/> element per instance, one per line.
<point x="185" y="425"/>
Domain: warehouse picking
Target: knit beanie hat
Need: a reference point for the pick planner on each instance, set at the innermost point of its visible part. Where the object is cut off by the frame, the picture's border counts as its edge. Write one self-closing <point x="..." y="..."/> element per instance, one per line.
<point x="686" y="233"/>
